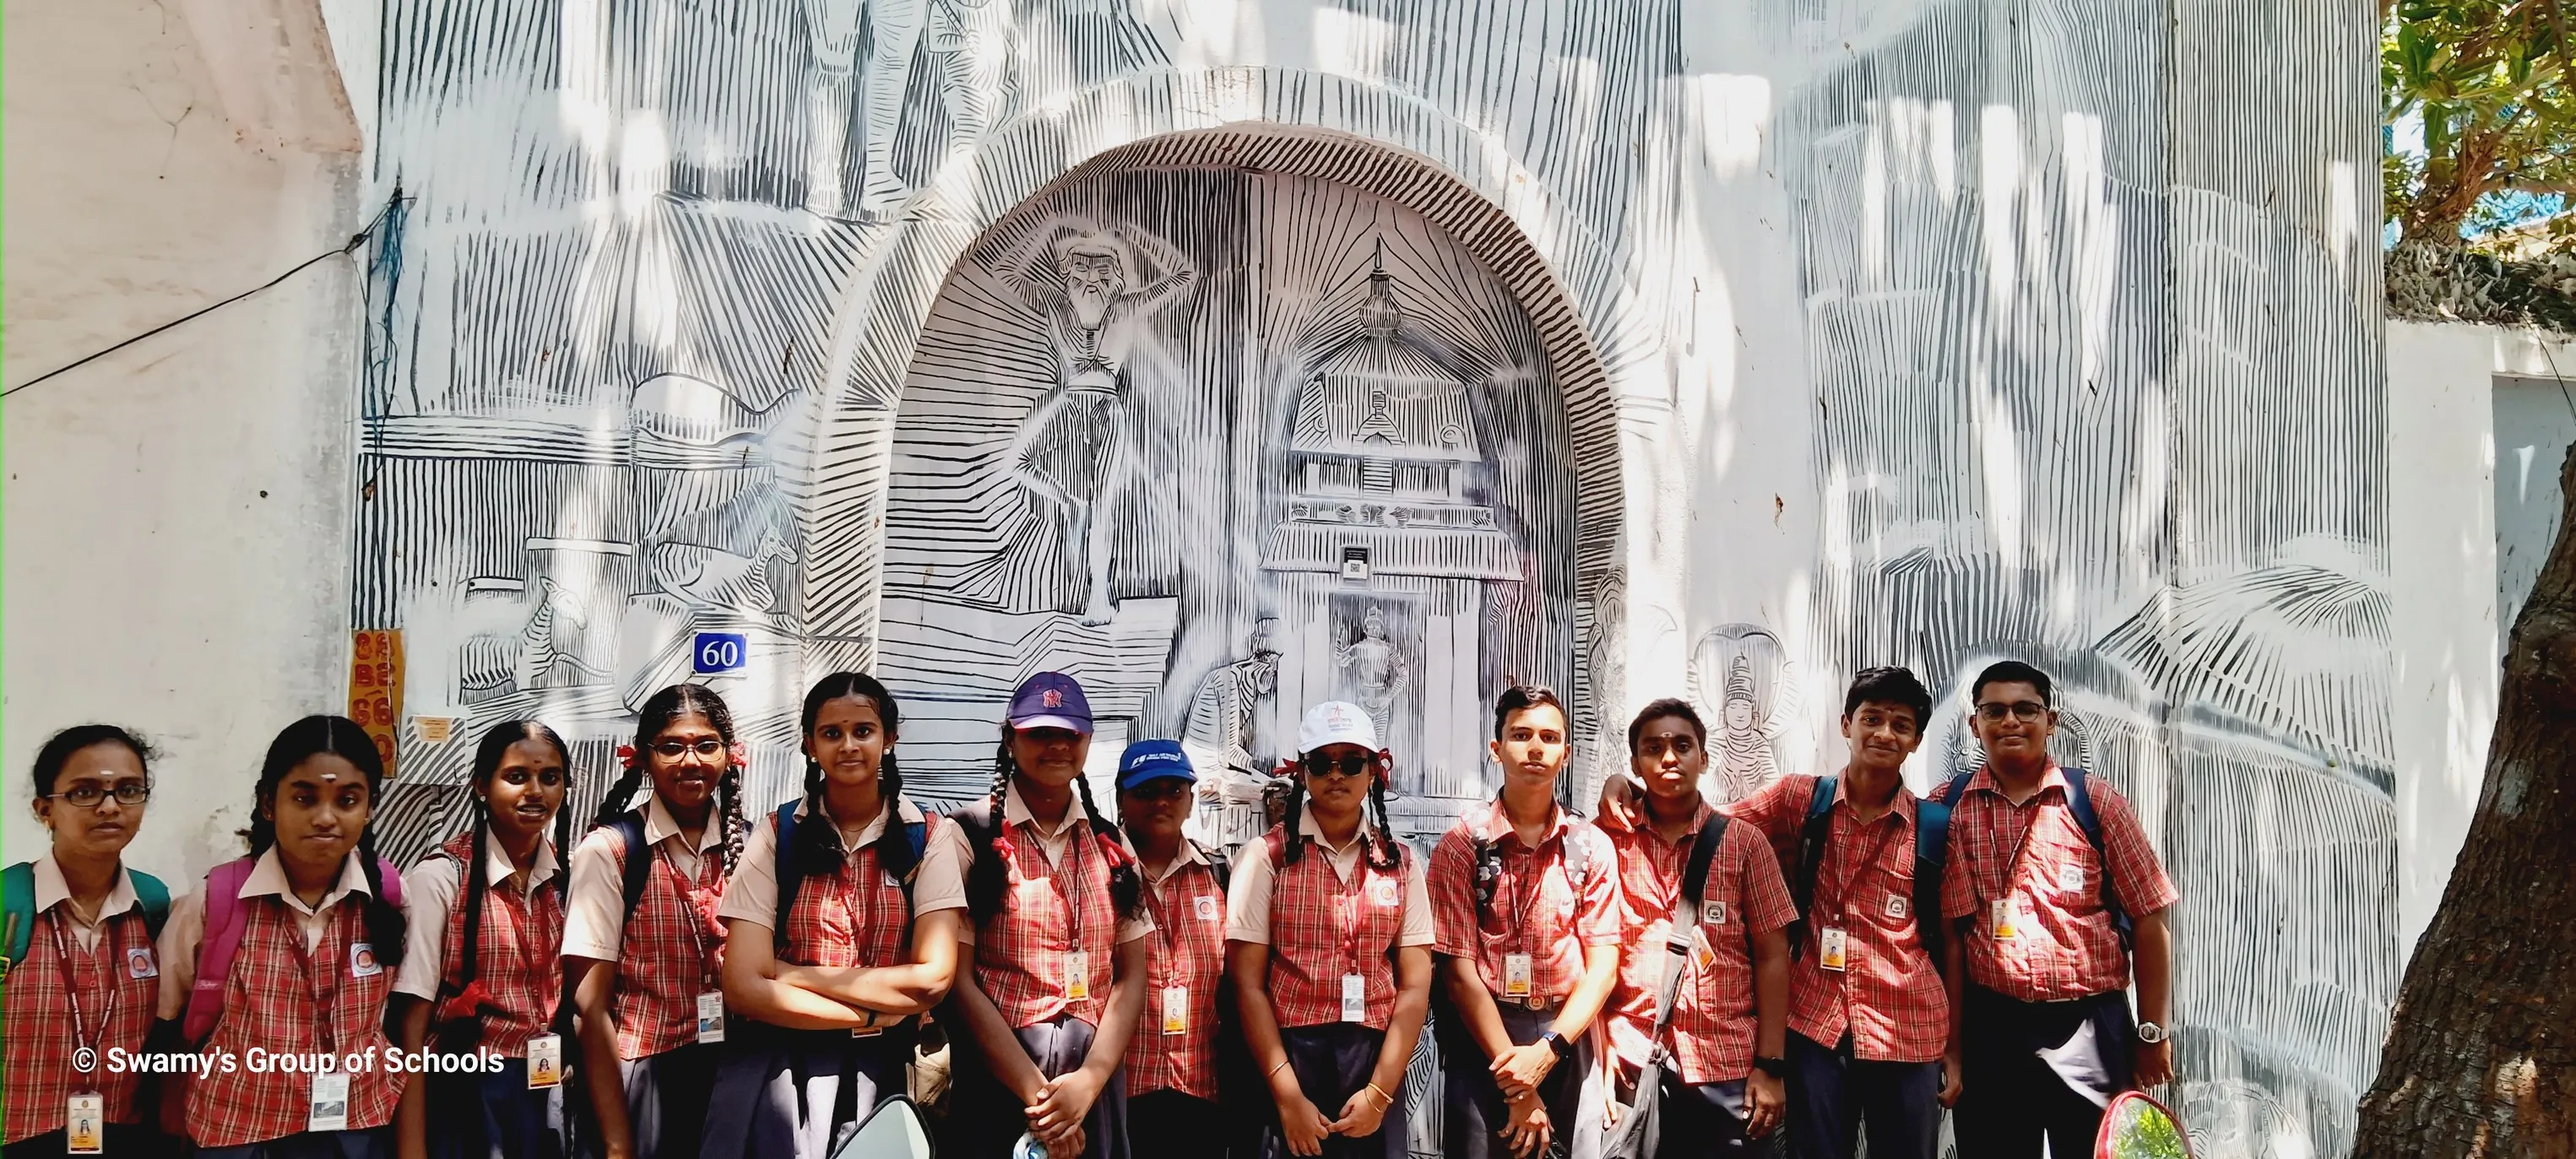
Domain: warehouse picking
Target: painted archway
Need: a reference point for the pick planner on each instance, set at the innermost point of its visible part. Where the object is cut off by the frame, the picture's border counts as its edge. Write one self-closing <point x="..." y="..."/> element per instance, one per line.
<point x="855" y="472"/>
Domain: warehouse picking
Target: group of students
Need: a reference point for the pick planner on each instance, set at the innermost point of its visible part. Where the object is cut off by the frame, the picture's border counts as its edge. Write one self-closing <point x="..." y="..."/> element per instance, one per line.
<point x="688" y="980"/>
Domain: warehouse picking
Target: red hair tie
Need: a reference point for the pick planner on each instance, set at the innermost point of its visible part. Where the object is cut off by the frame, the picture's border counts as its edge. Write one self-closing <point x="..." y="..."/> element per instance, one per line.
<point x="741" y="754"/>
<point x="467" y="1003"/>
<point x="626" y="756"/>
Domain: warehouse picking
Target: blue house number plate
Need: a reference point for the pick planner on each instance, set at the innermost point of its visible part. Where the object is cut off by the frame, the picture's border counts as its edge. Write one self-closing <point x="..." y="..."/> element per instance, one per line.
<point x="721" y="652"/>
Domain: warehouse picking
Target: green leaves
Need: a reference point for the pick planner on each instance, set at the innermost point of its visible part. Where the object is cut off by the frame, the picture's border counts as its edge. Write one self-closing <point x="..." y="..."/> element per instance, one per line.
<point x="2489" y="81"/>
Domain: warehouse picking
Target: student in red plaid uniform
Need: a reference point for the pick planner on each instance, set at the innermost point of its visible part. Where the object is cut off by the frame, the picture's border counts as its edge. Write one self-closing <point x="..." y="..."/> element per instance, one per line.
<point x="87" y="976"/>
<point x="2046" y="1029"/>
<point x="1723" y="1094"/>
<point x="1330" y="938"/>
<point x="498" y="987"/>
<point x="645" y="976"/>
<point x="1869" y="1011"/>
<point x="320" y="940"/>
<point x="1172" y="1109"/>
<point x="1041" y="1023"/>
<point x="1525" y="902"/>
<point x="827" y="990"/>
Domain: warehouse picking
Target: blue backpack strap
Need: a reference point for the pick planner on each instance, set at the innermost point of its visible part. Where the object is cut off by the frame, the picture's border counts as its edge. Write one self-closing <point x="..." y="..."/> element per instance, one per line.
<point x="18" y="890"/>
<point x="1811" y="857"/>
<point x="156" y="901"/>
<point x="1931" y="854"/>
<point x="790" y="872"/>
<point x="1957" y="787"/>
<point x="2079" y="802"/>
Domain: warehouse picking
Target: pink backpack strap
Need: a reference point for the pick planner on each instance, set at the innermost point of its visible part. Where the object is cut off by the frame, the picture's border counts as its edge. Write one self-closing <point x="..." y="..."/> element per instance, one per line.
<point x="223" y="936"/>
<point x="215" y="950"/>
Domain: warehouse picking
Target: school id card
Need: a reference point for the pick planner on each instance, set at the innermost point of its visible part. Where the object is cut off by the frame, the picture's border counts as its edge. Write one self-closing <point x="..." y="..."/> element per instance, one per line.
<point x="330" y="1106"/>
<point x="711" y="1016"/>
<point x="545" y="1061"/>
<point x="85" y="1124"/>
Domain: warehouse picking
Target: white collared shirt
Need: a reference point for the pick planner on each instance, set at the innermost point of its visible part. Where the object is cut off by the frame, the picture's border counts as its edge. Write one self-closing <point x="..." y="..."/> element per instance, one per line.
<point x="752" y="895"/>
<point x="429" y="896"/>
<point x="52" y="890"/>
<point x="595" y="890"/>
<point x="187" y="925"/>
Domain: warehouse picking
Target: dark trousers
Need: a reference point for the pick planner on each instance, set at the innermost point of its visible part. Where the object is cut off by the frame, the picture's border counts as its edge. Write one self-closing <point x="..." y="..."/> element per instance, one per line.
<point x="1332" y="1062"/>
<point x="493" y="1116"/>
<point x="985" y="1119"/>
<point x="1474" y="1113"/>
<point x="1831" y="1094"/>
<point x="666" y="1100"/>
<point x="120" y="1139"/>
<point x="1706" y="1122"/>
<point x="372" y="1143"/>
<point x="2013" y="1098"/>
<point x="1174" y="1125"/>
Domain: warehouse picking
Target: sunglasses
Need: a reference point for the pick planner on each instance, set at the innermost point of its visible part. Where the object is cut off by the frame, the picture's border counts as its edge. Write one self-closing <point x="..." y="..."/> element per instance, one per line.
<point x="1348" y="766"/>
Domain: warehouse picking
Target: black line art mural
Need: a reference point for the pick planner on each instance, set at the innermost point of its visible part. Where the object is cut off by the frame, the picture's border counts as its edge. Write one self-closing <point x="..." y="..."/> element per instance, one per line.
<point x="1238" y="355"/>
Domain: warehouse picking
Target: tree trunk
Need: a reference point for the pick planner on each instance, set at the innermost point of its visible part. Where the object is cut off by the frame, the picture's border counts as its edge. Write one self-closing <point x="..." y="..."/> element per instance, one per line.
<point x="2481" y="1055"/>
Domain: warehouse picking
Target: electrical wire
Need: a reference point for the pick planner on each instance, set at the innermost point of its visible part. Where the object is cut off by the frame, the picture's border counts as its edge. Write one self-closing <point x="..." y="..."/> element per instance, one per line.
<point x="355" y="240"/>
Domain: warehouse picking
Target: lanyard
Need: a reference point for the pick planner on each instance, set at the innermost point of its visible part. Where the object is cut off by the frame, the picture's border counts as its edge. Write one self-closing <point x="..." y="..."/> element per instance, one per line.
<point x="1163" y="931"/>
<point x="71" y="981"/>
<point x="1525" y="894"/>
<point x="1877" y="855"/>
<point x="1347" y="909"/>
<point x="1071" y="864"/>
<point x="322" y="1005"/>
<point x="696" y="921"/>
<point x="2012" y="868"/>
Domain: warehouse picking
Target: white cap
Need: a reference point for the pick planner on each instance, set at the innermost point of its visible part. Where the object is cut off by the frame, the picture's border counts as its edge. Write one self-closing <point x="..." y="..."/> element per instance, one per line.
<point x="1336" y="722"/>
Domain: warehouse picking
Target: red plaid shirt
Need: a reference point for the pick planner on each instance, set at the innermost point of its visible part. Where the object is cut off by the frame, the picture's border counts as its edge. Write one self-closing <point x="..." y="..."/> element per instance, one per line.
<point x="856" y="915"/>
<point x="671" y="952"/>
<point x="269" y="1004"/>
<point x="2066" y="946"/>
<point x="1890" y="999"/>
<point x="519" y="961"/>
<point x="1049" y="911"/>
<point x="36" y="1019"/>
<point x="1187" y="949"/>
<point x="1322" y="928"/>
<point x="1537" y="909"/>
<point x="1713" y="1018"/>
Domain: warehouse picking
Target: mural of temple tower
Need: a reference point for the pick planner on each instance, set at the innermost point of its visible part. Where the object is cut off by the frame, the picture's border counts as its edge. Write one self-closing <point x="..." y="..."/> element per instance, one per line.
<point x="1385" y="554"/>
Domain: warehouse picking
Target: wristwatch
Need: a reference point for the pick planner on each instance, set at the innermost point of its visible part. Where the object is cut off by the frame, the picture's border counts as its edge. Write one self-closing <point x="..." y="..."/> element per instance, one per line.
<point x="1559" y="1044"/>
<point x="2151" y="1034"/>
<point x="1777" y="1068"/>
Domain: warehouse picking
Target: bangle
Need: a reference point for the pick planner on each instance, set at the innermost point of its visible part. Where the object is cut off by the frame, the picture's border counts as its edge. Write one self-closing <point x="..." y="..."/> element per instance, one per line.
<point x="1274" y="1071"/>
<point x="1380" y="1092"/>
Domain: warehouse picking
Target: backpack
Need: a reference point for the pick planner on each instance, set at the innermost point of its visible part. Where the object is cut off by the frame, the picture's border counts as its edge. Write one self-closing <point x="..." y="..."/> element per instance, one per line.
<point x="224" y="927"/>
<point x="2079" y="801"/>
<point x="791" y="875"/>
<point x="18" y="924"/>
<point x="1489" y="867"/>
<point x="1931" y="853"/>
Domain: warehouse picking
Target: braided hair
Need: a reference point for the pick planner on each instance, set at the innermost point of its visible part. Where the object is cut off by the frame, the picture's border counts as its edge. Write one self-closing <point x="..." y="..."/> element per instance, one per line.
<point x="347" y="739"/>
<point x="668" y="705"/>
<point x="1384" y="851"/>
<point x="818" y="846"/>
<point x="488" y="755"/>
<point x="988" y="876"/>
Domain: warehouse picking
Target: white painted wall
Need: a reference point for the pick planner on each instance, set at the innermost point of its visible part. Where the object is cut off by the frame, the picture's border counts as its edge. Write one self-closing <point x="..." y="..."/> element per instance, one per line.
<point x="2442" y="548"/>
<point x="177" y="513"/>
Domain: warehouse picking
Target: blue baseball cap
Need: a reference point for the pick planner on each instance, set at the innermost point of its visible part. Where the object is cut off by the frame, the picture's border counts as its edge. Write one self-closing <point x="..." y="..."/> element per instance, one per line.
<point x="1051" y="700"/>
<point x="1153" y="760"/>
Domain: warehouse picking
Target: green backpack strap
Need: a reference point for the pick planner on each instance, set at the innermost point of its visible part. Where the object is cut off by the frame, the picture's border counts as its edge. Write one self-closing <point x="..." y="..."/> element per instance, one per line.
<point x="18" y="923"/>
<point x="156" y="901"/>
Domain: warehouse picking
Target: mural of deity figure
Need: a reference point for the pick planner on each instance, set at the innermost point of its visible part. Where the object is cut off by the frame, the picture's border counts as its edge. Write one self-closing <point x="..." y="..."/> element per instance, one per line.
<point x="1220" y="734"/>
<point x="1742" y="744"/>
<point x="1376" y="672"/>
<point x="964" y="46"/>
<point x="1741" y="678"/>
<point x="1076" y="449"/>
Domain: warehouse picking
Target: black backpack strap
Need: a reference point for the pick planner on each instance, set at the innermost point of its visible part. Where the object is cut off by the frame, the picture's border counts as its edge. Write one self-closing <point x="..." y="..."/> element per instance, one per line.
<point x="1217" y="867"/>
<point x="2079" y="801"/>
<point x="1703" y="855"/>
<point x="790" y="873"/>
<point x="1812" y="835"/>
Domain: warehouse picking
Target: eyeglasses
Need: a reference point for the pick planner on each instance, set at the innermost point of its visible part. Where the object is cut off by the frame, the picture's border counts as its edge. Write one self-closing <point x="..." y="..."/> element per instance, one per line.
<point x="1348" y="766"/>
<point x="88" y="796"/>
<point x="2026" y="710"/>
<point x="675" y="749"/>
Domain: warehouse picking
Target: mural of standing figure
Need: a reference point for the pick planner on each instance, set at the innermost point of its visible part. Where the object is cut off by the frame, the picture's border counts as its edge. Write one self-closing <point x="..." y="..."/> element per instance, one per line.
<point x="1220" y="733"/>
<point x="1742" y="680"/>
<point x="965" y="47"/>
<point x="1742" y="744"/>
<point x="1377" y="672"/>
<point x="1076" y="448"/>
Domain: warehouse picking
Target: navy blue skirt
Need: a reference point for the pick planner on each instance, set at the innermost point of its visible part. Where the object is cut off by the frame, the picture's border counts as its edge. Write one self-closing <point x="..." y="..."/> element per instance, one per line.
<point x="798" y="1094"/>
<point x="494" y="1116"/>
